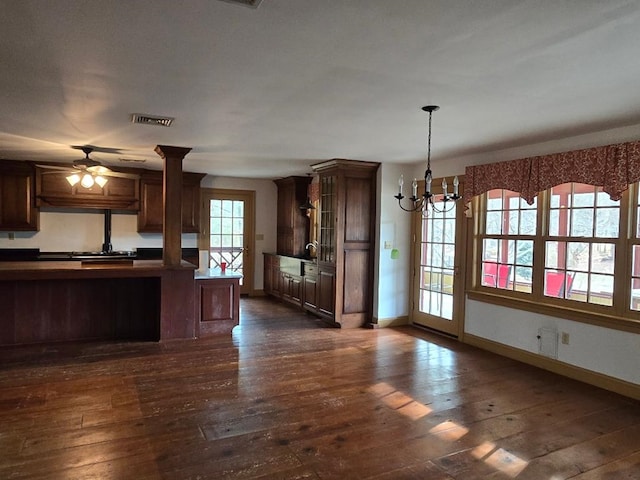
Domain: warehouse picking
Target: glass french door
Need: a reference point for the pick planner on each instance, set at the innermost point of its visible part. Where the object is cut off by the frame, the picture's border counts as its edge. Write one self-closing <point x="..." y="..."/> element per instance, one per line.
<point x="229" y="233"/>
<point x="437" y="284"/>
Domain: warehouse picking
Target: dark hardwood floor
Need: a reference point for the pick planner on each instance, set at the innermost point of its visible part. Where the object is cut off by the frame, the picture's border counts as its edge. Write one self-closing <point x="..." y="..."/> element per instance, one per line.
<point x="286" y="398"/>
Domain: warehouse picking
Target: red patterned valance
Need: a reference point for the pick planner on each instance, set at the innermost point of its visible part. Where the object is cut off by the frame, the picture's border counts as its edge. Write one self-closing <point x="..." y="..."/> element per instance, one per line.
<point x="613" y="167"/>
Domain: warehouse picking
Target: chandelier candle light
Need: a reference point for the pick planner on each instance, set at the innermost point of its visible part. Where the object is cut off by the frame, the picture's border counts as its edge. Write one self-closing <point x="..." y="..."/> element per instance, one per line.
<point x="425" y="202"/>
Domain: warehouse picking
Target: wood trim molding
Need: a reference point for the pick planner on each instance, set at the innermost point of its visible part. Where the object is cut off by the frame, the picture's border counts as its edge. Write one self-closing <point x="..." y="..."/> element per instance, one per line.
<point x="616" y="385"/>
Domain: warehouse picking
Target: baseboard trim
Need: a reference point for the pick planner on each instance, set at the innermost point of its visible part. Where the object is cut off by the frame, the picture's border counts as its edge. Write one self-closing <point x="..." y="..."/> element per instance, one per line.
<point x="616" y="385"/>
<point x="392" y="322"/>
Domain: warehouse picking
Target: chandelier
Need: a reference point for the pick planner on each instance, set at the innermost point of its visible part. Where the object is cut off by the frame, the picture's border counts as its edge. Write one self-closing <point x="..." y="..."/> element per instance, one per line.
<point x="425" y="202"/>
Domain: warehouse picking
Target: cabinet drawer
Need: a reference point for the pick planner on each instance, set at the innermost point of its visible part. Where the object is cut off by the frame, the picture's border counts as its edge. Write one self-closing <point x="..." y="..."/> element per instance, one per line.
<point x="310" y="269"/>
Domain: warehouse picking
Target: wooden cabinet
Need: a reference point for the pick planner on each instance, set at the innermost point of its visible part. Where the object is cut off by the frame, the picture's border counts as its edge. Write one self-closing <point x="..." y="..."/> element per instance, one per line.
<point x="53" y="190"/>
<point x="292" y="223"/>
<point x="310" y="286"/>
<point x="17" y="200"/>
<point x="218" y="303"/>
<point x="150" y="216"/>
<point x="346" y="241"/>
<point x="326" y="291"/>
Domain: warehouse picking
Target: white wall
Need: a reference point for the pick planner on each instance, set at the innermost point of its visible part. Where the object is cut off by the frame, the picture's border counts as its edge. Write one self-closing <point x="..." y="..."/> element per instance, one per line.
<point x="266" y="205"/>
<point x="83" y="230"/>
<point x="391" y="297"/>
<point x="610" y="352"/>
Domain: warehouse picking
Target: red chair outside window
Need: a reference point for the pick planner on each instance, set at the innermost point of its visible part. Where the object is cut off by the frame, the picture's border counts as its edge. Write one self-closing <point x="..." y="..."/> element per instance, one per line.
<point x="555" y="284"/>
<point x="495" y="275"/>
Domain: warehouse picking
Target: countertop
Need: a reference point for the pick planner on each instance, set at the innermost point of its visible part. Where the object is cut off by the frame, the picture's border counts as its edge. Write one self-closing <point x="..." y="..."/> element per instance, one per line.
<point x="210" y="273"/>
<point x="86" y="269"/>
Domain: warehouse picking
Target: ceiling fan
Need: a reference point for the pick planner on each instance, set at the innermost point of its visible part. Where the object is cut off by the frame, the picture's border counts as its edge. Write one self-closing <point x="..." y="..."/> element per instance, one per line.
<point x="87" y="171"/>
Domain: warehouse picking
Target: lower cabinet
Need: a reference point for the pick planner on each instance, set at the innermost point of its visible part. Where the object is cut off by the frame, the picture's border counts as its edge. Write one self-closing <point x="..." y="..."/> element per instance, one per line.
<point x="313" y="289"/>
<point x="326" y="291"/>
<point x="218" y="304"/>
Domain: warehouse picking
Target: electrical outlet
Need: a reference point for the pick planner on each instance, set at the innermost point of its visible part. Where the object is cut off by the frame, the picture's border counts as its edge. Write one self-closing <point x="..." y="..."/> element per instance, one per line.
<point x="564" y="338"/>
<point x="388" y="245"/>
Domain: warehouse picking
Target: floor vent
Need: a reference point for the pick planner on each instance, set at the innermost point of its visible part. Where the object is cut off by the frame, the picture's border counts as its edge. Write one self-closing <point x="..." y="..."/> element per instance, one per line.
<point x="548" y="342"/>
<point x="145" y="119"/>
<point x="245" y="3"/>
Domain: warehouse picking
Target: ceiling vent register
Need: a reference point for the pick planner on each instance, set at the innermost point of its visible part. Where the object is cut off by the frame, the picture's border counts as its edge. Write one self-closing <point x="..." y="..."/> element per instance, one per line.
<point x="145" y="119"/>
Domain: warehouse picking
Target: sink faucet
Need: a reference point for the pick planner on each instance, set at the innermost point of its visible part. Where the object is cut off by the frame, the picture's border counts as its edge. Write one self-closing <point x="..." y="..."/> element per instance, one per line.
<point x="313" y="245"/>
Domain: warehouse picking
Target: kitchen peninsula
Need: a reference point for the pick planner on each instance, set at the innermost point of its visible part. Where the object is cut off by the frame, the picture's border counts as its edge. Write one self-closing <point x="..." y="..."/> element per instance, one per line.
<point x="55" y="301"/>
<point x="110" y="296"/>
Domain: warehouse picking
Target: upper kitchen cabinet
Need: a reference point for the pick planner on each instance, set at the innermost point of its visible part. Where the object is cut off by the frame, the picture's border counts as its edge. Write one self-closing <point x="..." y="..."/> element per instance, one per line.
<point x="292" y="222"/>
<point x="53" y="190"/>
<point x="346" y="244"/>
<point x="18" y="210"/>
<point x="150" y="216"/>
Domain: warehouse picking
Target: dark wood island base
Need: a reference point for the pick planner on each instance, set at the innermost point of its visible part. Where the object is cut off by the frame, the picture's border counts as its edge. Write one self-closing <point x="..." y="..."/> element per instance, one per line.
<point x="43" y="302"/>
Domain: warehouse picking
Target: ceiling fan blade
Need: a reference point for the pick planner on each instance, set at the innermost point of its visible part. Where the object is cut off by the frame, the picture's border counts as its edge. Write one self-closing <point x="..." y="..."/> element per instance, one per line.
<point x="57" y="168"/>
<point x="99" y="169"/>
<point x="120" y="175"/>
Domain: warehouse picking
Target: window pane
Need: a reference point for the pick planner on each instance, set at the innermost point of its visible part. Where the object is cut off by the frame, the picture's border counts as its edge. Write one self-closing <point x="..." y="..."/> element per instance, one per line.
<point x="490" y="250"/>
<point x="582" y="224"/>
<point x="528" y="220"/>
<point x="578" y="256"/>
<point x="513" y="222"/>
<point x="603" y="199"/>
<point x="524" y="252"/>
<point x="494" y="200"/>
<point x="583" y="199"/>
<point x="602" y="257"/>
<point x="523" y="279"/>
<point x="510" y="255"/>
<point x="601" y="291"/>
<point x="607" y="220"/>
<point x="494" y="223"/>
<point x="215" y="226"/>
<point x="554" y="223"/>
<point x="635" y="267"/>
<point x="555" y="255"/>
<point x="216" y="208"/>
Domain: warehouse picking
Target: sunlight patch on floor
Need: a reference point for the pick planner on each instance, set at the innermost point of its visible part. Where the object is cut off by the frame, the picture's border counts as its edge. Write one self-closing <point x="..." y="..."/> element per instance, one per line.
<point x="500" y="459"/>
<point x="449" y="430"/>
<point x="399" y="401"/>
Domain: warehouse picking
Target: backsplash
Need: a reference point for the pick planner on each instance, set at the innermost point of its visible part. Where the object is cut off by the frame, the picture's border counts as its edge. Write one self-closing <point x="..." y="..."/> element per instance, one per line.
<point x="81" y="231"/>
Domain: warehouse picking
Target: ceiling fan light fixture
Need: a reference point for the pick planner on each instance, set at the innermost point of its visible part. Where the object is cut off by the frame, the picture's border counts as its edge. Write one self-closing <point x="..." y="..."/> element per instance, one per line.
<point x="73" y="179"/>
<point x="98" y="169"/>
<point x="102" y="181"/>
<point x="87" y="180"/>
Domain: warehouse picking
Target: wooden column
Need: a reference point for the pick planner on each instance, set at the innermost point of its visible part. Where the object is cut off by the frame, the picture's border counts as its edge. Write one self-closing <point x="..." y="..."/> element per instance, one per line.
<point x="172" y="199"/>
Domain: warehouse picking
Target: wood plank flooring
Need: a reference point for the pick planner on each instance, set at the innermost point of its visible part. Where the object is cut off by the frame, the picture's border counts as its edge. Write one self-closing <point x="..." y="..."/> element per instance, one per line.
<point x="286" y="398"/>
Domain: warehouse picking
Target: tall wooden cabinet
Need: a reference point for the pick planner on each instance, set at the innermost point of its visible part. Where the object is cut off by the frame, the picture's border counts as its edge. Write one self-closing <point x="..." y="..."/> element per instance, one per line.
<point x="346" y="244"/>
<point x="292" y="223"/>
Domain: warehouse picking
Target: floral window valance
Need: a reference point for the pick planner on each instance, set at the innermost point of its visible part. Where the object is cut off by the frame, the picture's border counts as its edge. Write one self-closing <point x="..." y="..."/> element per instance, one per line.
<point x="613" y="167"/>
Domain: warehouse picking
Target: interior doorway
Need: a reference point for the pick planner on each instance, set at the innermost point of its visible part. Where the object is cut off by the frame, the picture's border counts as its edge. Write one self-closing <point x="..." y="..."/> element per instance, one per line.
<point x="228" y="234"/>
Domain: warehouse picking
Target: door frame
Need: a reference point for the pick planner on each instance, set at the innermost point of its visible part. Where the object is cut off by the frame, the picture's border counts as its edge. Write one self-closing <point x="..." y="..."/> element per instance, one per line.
<point x="460" y="275"/>
<point x="249" y="197"/>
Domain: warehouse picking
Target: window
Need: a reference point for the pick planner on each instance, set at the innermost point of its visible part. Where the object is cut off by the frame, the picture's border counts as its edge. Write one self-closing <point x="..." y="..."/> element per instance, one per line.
<point x="507" y="244"/>
<point x="573" y="247"/>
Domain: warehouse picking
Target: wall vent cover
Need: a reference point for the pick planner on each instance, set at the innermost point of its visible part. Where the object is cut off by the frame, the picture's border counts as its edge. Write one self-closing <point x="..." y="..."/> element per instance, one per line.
<point x="145" y="119"/>
<point x="548" y="342"/>
<point x="245" y="3"/>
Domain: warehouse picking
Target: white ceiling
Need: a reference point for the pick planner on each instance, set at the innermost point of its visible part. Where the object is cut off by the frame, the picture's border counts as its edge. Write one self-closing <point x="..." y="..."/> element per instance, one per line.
<point x="267" y="92"/>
